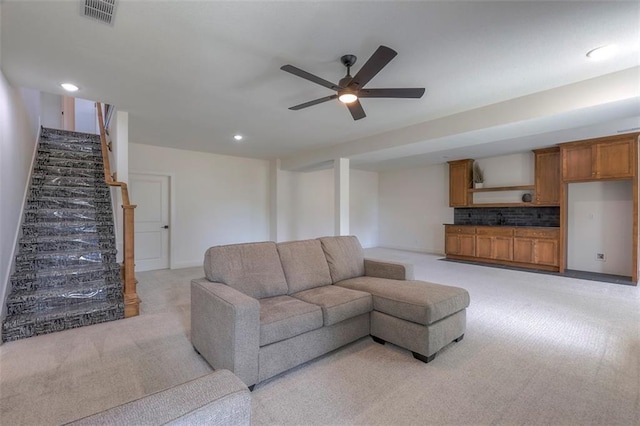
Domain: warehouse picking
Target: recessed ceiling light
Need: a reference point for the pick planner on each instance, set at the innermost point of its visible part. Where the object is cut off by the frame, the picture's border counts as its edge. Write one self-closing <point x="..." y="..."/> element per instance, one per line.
<point x="602" y="52"/>
<point x="238" y="137"/>
<point x="69" y="87"/>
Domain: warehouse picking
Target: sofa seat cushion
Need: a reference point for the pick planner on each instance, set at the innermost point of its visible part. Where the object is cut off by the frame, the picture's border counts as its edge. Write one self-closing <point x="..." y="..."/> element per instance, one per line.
<point x="344" y="256"/>
<point x="304" y="265"/>
<point x="252" y="268"/>
<point x="283" y="317"/>
<point x="337" y="303"/>
<point x="416" y="301"/>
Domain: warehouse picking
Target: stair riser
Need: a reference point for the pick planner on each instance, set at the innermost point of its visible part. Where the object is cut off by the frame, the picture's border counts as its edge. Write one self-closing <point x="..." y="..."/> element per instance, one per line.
<point x="93" y="244"/>
<point x="32" y="282"/>
<point x="100" y="192"/>
<point x="47" y="153"/>
<point x="32" y="304"/>
<point x="83" y="182"/>
<point x="70" y="203"/>
<point x="91" y="164"/>
<point x="14" y="331"/>
<point x="71" y="146"/>
<point x="39" y="262"/>
<point x="67" y="215"/>
<point x="64" y="171"/>
<point x="55" y="229"/>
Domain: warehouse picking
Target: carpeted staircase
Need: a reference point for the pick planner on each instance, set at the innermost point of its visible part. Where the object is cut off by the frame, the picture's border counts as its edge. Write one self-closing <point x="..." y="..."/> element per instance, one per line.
<point x="66" y="274"/>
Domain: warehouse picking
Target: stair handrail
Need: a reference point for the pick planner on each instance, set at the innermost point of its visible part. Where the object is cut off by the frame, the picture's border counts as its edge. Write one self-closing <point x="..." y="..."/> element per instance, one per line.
<point x="131" y="299"/>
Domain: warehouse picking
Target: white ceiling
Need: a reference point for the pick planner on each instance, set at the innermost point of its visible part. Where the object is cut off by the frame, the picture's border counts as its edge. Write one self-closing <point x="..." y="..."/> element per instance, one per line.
<point x="501" y="77"/>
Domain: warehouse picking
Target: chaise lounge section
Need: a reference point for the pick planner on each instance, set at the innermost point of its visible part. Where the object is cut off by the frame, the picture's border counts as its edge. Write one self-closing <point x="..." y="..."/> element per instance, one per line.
<point x="264" y="308"/>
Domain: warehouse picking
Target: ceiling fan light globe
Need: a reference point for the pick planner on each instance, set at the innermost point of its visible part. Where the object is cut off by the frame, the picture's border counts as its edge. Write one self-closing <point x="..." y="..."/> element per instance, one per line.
<point x="347" y="98"/>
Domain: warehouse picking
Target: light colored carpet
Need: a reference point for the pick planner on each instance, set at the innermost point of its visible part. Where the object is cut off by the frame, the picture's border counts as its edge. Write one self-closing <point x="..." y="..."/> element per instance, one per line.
<point x="539" y="349"/>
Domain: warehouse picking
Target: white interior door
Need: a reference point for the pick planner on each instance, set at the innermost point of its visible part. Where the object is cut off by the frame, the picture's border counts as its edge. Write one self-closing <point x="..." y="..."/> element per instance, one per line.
<point x="151" y="194"/>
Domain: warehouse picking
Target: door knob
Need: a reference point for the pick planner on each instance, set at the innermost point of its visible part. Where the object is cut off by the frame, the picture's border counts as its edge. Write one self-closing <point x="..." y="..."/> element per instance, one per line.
<point x="166" y="227"/>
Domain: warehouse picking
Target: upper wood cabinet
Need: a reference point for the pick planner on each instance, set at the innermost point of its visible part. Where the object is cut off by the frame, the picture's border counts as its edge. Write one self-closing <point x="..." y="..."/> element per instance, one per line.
<point x="613" y="157"/>
<point x="547" y="176"/>
<point x="460" y="175"/>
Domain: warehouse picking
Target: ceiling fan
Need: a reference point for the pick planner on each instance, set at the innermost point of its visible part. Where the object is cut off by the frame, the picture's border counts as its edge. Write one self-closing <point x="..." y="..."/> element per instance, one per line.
<point x="351" y="89"/>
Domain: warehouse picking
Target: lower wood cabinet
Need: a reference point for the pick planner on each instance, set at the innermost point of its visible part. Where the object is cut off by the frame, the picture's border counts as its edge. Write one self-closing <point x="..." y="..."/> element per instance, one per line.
<point x="539" y="246"/>
<point x="460" y="240"/>
<point x="519" y="246"/>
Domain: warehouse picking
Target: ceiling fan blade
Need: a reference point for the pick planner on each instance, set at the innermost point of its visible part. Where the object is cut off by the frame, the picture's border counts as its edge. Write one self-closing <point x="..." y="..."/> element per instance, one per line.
<point x="376" y="62"/>
<point x="355" y="108"/>
<point x="308" y="76"/>
<point x="314" y="102"/>
<point x="391" y="93"/>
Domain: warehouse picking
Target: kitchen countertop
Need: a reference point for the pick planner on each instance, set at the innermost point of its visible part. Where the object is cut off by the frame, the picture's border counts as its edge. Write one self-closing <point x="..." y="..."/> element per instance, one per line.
<point x="502" y="226"/>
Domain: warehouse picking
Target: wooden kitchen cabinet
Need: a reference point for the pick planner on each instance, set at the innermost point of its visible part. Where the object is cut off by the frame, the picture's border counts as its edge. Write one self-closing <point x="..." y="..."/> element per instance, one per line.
<point x="494" y="242"/>
<point x="460" y="240"/>
<point x="547" y="176"/>
<point x="537" y="246"/>
<point x="602" y="158"/>
<point x="460" y="176"/>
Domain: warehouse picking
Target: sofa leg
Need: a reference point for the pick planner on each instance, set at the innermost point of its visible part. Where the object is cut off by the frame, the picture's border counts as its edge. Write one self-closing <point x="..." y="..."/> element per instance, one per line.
<point x="251" y="388"/>
<point x="459" y="338"/>
<point x="378" y="340"/>
<point x="425" y="359"/>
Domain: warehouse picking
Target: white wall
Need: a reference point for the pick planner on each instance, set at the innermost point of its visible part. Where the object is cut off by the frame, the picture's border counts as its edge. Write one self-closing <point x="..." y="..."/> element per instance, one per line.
<point x="413" y="206"/>
<point x="19" y="116"/>
<point x="51" y="115"/>
<point x="306" y="205"/>
<point x="600" y="221"/>
<point x="363" y="206"/>
<point x="217" y="200"/>
<point x="506" y="170"/>
<point x="86" y="118"/>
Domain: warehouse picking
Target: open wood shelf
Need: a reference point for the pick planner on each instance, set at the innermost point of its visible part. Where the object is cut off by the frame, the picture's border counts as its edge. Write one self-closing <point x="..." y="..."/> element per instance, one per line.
<point x="504" y="188"/>
<point x="517" y="204"/>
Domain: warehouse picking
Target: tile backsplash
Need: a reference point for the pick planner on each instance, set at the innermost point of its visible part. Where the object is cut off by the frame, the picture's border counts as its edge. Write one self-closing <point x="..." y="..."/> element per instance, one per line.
<point x="508" y="216"/>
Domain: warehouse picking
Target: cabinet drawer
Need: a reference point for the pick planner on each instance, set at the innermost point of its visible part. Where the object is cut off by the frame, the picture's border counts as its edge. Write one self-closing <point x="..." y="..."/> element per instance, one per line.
<point x="494" y="231"/>
<point x="537" y="233"/>
<point x="460" y="229"/>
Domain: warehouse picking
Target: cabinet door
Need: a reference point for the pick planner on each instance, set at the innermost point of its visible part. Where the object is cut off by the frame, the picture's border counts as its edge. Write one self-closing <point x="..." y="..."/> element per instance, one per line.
<point x="523" y="250"/>
<point x="502" y="248"/>
<point x="547" y="176"/>
<point x="577" y="163"/>
<point x="459" y="182"/>
<point x="546" y="252"/>
<point x="483" y="246"/>
<point x="614" y="159"/>
<point x="467" y="245"/>
<point x="451" y="244"/>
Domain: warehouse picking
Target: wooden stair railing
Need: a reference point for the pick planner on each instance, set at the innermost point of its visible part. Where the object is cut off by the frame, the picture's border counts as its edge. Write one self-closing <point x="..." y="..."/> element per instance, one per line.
<point x="131" y="299"/>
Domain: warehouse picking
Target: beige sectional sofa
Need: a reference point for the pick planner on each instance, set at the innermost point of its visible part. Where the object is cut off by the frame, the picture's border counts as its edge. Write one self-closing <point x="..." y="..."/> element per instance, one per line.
<point x="264" y="308"/>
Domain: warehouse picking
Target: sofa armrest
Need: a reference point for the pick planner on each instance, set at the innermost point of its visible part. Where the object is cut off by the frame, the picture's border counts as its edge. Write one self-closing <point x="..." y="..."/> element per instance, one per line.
<point x="219" y="398"/>
<point x="225" y="328"/>
<point x="390" y="270"/>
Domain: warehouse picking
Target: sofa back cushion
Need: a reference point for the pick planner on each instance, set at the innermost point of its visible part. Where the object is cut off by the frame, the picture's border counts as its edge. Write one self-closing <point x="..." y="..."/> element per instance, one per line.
<point x="252" y="268"/>
<point x="344" y="256"/>
<point x="304" y="264"/>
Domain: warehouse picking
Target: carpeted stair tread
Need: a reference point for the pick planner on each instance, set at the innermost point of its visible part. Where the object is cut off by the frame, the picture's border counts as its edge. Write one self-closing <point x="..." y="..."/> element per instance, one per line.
<point x="66" y="202"/>
<point x="88" y="163"/>
<point x="64" y="259"/>
<point x="92" y="312"/>
<point x="39" y="179"/>
<point x="53" y="243"/>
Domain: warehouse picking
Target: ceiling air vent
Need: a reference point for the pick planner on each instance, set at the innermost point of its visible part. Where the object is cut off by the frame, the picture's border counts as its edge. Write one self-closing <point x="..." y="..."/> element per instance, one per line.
<point x="100" y="10"/>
